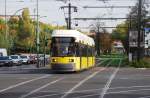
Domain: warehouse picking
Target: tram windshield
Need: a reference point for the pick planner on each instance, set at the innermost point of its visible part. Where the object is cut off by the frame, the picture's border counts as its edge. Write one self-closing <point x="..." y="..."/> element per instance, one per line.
<point x="63" y="47"/>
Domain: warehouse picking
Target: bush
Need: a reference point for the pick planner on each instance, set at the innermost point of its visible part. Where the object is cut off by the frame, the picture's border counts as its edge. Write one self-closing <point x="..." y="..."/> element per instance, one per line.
<point x="144" y="63"/>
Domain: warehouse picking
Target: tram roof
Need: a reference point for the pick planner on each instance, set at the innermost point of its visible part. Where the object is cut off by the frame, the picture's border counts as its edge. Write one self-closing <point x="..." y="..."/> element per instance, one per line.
<point x="80" y="37"/>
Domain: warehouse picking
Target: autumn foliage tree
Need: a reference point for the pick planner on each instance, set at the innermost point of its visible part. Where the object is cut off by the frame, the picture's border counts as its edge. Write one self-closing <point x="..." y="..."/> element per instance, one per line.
<point x="25" y="30"/>
<point x="3" y="37"/>
<point x="22" y="34"/>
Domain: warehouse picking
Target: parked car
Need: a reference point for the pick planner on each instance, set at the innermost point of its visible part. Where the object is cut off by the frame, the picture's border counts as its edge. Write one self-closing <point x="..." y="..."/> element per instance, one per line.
<point x="25" y="59"/>
<point x="6" y="61"/>
<point x="16" y="59"/>
<point x="33" y="59"/>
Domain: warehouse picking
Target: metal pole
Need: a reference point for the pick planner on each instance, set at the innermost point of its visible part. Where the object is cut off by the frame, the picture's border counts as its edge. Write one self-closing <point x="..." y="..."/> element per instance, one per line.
<point x="129" y="31"/>
<point x="98" y="40"/>
<point x="6" y="28"/>
<point x="139" y="29"/>
<point x="129" y="50"/>
<point x="44" y="49"/>
<point x="34" y="25"/>
<point x="69" y="16"/>
<point x="37" y="35"/>
<point x="6" y="18"/>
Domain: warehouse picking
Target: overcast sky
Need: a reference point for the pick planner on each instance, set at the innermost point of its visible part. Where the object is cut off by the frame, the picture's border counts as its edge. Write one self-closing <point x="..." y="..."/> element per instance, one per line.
<point x="55" y="15"/>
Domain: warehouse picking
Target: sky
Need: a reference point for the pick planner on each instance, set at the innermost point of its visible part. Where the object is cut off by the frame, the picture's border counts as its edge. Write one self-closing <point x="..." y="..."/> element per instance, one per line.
<point x="55" y="15"/>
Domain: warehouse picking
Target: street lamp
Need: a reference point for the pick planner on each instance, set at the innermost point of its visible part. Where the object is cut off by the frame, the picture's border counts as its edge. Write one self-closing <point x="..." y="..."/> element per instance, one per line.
<point x="37" y="33"/>
<point x="44" y="41"/>
<point x="18" y="11"/>
<point x="6" y="18"/>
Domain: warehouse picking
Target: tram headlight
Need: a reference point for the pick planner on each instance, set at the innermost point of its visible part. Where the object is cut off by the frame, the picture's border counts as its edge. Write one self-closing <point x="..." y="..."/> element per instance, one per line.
<point x="54" y="60"/>
<point x="71" y="60"/>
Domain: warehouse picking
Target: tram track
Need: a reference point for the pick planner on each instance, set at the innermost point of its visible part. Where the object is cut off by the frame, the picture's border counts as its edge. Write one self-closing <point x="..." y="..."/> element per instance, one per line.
<point x="72" y="88"/>
<point x="77" y="85"/>
<point x="106" y="86"/>
<point x="85" y="80"/>
<point x="85" y="84"/>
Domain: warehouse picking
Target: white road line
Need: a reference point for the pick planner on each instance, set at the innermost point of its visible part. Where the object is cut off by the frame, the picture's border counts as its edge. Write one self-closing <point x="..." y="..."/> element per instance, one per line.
<point x="89" y="95"/>
<point x="82" y="91"/>
<point x="80" y="83"/>
<point x="99" y="63"/>
<point x="126" y="91"/>
<point x="76" y="86"/>
<point x="22" y="83"/>
<point x="108" y="63"/>
<point x="49" y="95"/>
<point x="115" y="93"/>
<point x="42" y="87"/>
<point x="115" y="88"/>
<point x="103" y="62"/>
<point x="107" y="86"/>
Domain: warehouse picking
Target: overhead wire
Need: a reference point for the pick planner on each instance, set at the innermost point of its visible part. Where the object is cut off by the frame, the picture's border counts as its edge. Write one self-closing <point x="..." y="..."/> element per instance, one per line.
<point x="106" y="3"/>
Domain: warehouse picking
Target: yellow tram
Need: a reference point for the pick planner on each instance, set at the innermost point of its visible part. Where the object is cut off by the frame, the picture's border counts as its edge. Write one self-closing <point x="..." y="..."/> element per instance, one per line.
<point x="71" y="50"/>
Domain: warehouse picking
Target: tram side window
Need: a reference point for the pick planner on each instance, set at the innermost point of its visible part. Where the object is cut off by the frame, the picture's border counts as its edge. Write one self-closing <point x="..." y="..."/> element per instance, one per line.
<point x="84" y="50"/>
<point x="81" y="50"/>
<point x="54" y="50"/>
<point x="78" y="49"/>
<point x="93" y="51"/>
<point x="87" y="50"/>
<point x="90" y="51"/>
<point x="71" y="50"/>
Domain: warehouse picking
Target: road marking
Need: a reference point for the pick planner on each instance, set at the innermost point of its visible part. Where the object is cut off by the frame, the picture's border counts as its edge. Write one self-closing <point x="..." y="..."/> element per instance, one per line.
<point x="115" y="88"/>
<point x="126" y="91"/>
<point x="22" y="83"/>
<point x="81" y="82"/>
<point x="107" y="86"/>
<point x="83" y="91"/>
<point x="115" y="93"/>
<point x="49" y="95"/>
<point x="103" y="62"/>
<point x="100" y="63"/>
<point x="40" y="88"/>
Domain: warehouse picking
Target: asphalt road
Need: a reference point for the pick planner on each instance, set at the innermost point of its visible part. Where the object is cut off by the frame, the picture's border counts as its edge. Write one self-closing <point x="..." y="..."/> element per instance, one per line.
<point x="100" y="82"/>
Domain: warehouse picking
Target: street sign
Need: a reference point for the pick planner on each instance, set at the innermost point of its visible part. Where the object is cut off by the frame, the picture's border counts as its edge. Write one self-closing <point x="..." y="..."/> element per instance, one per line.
<point x="133" y="38"/>
<point x="147" y="37"/>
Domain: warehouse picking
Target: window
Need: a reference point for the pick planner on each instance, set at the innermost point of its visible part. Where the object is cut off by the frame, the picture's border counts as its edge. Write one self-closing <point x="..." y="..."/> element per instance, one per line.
<point x="63" y="49"/>
<point x="62" y="46"/>
<point x="63" y="40"/>
<point x="84" y="50"/>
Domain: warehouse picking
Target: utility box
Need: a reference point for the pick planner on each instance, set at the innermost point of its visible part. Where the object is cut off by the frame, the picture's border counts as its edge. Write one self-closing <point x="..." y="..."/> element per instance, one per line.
<point x="133" y="44"/>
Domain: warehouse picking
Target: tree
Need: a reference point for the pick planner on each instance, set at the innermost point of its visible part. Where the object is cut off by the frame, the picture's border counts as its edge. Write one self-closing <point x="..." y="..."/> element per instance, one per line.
<point x="25" y="30"/>
<point x="120" y="33"/>
<point x="22" y="34"/>
<point x="13" y="24"/>
<point x="4" y="43"/>
<point x="134" y="15"/>
<point x="132" y="23"/>
<point x="105" y="42"/>
<point x="96" y="27"/>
